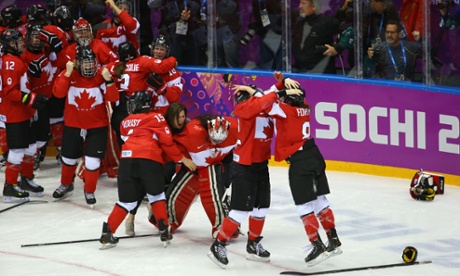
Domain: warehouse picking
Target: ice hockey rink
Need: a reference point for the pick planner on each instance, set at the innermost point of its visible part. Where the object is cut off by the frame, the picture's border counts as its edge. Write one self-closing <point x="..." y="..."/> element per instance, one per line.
<point x="375" y="218"/>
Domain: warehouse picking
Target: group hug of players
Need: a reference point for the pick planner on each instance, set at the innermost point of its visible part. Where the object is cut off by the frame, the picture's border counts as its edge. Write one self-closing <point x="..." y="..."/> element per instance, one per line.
<point x="64" y="80"/>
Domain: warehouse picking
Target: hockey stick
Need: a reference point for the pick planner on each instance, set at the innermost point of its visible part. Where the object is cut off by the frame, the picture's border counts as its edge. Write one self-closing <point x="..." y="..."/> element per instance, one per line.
<point x="353" y="269"/>
<point x="22" y="203"/>
<point x="81" y="241"/>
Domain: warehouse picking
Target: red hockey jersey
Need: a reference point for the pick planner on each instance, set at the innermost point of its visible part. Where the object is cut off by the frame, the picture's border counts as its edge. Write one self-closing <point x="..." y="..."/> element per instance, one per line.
<point x="292" y="126"/>
<point x="43" y="84"/>
<point x="13" y="82"/>
<point x="147" y="135"/>
<point x="137" y="71"/>
<point x="86" y="97"/>
<point x="115" y="35"/>
<point x="103" y="53"/>
<point x="195" y="140"/>
<point x="174" y="88"/>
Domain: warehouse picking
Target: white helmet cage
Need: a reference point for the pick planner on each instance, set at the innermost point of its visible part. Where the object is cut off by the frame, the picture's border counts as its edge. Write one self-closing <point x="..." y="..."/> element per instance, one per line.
<point x="218" y="129"/>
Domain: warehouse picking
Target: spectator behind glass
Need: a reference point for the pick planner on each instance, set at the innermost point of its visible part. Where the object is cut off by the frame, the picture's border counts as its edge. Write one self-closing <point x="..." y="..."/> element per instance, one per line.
<point x="448" y="21"/>
<point x="228" y="28"/>
<point x="266" y="22"/>
<point x="394" y="59"/>
<point x="345" y="37"/>
<point x="312" y="32"/>
<point x="182" y="23"/>
<point x="376" y="15"/>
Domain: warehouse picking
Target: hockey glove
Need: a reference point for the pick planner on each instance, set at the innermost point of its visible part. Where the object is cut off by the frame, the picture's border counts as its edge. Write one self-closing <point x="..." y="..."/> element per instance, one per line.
<point x="35" y="67"/>
<point x="53" y="41"/>
<point x="156" y="82"/>
<point x="36" y="101"/>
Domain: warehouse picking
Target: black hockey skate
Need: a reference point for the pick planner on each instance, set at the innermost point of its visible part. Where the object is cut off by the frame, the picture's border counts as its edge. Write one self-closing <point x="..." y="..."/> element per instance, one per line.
<point x="317" y="253"/>
<point x="63" y="191"/>
<point x="28" y="184"/>
<point x="12" y="193"/>
<point x="90" y="199"/>
<point x="165" y="236"/>
<point x="108" y="240"/>
<point x="256" y="252"/>
<point x="333" y="247"/>
<point x="218" y="253"/>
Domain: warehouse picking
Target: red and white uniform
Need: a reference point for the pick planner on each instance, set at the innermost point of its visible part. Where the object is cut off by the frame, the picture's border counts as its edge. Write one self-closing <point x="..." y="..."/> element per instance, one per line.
<point x="194" y="140"/>
<point x="137" y="131"/>
<point x="256" y="128"/>
<point x="137" y="71"/>
<point x="174" y="88"/>
<point x="115" y="35"/>
<point x="294" y="131"/>
<point x="86" y="97"/>
<point x="14" y="81"/>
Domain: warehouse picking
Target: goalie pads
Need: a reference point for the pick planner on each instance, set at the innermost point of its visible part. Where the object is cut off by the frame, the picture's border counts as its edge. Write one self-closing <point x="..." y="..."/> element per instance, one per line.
<point x="423" y="186"/>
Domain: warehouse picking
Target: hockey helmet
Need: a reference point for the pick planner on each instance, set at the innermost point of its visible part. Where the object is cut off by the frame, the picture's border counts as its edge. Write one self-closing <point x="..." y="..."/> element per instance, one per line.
<point x="295" y="100"/>
<point x="160" y="41"/>
<point x="12" y="42"/>
<point x="33" y="42"/>
<point x="139" y="102"/>
<point x="126" y="51"/>
<point x="11" y="16"/>
<point x="124" y="5"/>
<point x="82" y="32"/>
<point x="87" y="63"/>
<point x="37" y="14"/>
<point x="243" y="95"/>
<point x="218" y="129"/>
<point x="422" y="187"/>
<point x="62" y="17"/>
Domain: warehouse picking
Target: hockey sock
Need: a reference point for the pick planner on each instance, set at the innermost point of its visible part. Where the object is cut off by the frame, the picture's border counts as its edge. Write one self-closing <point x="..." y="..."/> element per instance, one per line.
<point x="67" y="174"/>
<point x="229" y="226"/>
<point x="159" y="211"/>
<point x="11" y="173"/>
<point x="326" y="218"/>
<point x="116" y="217"/>
<point x="90" y="180"/>
<point x="3" y="143"/>
<point x="56" y="132"/>
<point x="255" y="227"/>
<point x="311" y="226"/>
<point x="27" y="166"/>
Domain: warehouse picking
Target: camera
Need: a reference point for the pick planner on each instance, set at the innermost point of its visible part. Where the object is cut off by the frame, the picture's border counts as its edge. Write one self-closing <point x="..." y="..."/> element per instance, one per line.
<point x="247" y="37"/>
<point x="319" y="49"/>
<point x="444" y="4"/>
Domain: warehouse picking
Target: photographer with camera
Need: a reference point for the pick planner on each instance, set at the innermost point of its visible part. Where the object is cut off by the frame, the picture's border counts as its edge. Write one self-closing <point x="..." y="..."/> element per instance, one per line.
<point x="394" y="59"/>
<point x="267" y="23"/>
<point x="448" y="21"/>
<point x="312" y="32"/>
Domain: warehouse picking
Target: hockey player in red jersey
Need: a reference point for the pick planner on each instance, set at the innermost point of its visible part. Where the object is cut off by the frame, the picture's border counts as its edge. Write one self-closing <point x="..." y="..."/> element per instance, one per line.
<point x="146" y="137"/>
<point x="17" y="106"/>
<point x="164" y="96"/>
<point x="209" y="140"/>
<point x="83" y="35"/>
<point x="251" y="182"/>
<point x="123" y="27"/>
<point x="134" y="77"/>
<point x="307" y="176"/>
<point x="41" y="73"/>
<point x="85" y="119"/>
<point x="13" y="19"/>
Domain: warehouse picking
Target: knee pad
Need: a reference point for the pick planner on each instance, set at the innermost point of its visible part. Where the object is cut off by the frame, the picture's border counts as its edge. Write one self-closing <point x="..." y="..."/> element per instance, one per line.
<point x="128" y="206"/>
<point x="15" y="156"/>
<point x="92" y="163"/>
<point x="320" y="204"/>
<point x="259" y="213"/>
<point x="69" y="161"/>
<point x="155" y="198"/>
<point x="238" y="216"/>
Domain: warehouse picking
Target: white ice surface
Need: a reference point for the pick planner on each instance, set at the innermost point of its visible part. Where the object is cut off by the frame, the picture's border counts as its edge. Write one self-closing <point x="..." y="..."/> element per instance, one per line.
<point x="375" y="219"/>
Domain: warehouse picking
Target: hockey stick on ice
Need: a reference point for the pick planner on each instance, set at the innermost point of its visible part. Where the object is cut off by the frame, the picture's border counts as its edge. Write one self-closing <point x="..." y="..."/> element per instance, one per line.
<point x="22" y="203"/>
<point x="81" y="241"/>
<point x="353" y="269"/>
